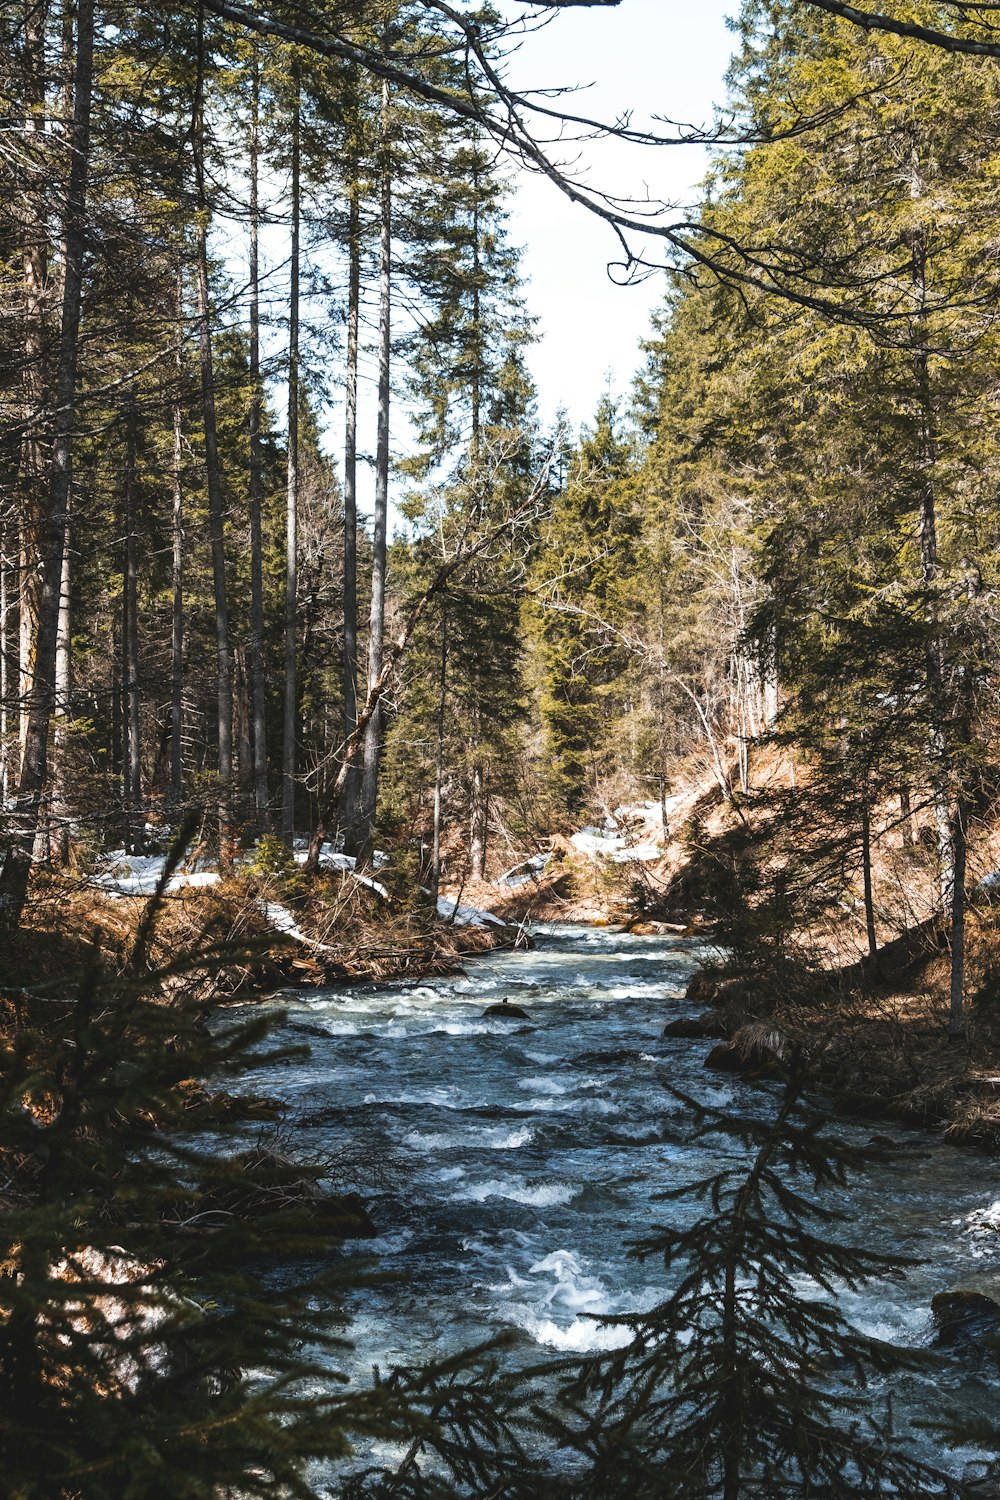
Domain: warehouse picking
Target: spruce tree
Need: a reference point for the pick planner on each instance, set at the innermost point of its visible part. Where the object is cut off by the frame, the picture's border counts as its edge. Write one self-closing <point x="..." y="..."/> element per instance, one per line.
<point x="147" y="1346"/>
<point x="742" y="1383"/>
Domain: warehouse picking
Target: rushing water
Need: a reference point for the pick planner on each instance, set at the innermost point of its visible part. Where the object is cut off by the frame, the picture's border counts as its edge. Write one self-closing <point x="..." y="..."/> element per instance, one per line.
<point x="523" y="1156"/>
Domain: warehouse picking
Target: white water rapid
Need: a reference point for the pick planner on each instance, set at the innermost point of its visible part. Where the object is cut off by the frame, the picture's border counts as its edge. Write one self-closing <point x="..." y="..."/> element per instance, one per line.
<point x="522" y="1156"/>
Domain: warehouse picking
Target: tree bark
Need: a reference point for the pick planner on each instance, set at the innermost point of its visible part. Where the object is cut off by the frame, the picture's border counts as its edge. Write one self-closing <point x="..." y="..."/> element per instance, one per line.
<point x="34" y="765"/>
<point x="292" y="505"/>
<point x="376" y="624"/>
<point x="349" y="808"/>
<point x="257" y="676"/>
<point x="866" y="866"/>
<point x="177" y="579"/>
<point x="479" y="821"/>
<point x="5" y="662"/>
<point x="439" y="763"/>
<point x="59" y="841"/>
<point x="34" y="251"/>
<point x="960" y="845"/>
<point x="130" y="639"/>
<point x="213" y="478"/>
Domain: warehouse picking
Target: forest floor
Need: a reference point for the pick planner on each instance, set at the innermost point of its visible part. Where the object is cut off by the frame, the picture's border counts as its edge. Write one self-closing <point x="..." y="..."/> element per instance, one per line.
<point x="795" y="976"/>
<point x="260" y="935"/>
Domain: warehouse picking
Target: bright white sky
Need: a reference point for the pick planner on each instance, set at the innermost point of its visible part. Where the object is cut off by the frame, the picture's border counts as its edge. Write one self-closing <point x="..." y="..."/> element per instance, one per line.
<point x="665" y="57"/>
<point x="653" y="57"/>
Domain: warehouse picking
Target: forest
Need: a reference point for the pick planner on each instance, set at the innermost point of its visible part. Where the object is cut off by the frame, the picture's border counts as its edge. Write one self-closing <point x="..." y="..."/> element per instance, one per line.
<point x="342" y="694"/>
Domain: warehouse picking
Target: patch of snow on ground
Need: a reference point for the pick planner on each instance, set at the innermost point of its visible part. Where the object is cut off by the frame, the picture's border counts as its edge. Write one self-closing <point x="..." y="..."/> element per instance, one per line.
<point x="331" y="858"/>
<point x="139" y="875"/>
<point x="638" y="851"/>
<point x="466" y="916"/>
<point x="597" y="843"/>
<point x="524" y="873"/>
<point x="282" y="921"/>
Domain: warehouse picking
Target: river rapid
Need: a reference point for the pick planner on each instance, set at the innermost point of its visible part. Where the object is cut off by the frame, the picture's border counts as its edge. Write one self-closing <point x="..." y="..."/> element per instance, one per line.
<point x="519" y="1158"/>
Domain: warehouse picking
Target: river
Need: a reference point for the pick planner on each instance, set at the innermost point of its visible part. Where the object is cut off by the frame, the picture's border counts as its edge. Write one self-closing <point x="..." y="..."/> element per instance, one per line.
<point x="508" y="1163"/>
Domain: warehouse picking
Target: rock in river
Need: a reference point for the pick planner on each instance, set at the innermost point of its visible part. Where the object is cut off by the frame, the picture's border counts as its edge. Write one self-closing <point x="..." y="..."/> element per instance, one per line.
<point x="695" y="1028"/>
<point x="505" y="1012"/>
<point x="968" y="1315"/>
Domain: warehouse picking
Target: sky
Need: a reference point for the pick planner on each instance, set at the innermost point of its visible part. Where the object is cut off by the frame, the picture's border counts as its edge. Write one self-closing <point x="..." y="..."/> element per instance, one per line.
<point x="653" y="57"/>
<point x="665" y="57"/>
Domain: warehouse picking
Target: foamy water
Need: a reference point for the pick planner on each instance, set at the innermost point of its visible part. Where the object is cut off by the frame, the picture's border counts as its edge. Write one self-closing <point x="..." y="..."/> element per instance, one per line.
<point x="512" y="1161"/>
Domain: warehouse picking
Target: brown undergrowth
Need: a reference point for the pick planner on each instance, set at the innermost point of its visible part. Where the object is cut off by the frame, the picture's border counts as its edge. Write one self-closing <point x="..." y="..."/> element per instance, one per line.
<point x="878" y="1052"/>
<point x="780" y="880"/>
<point x="348" y="932"/>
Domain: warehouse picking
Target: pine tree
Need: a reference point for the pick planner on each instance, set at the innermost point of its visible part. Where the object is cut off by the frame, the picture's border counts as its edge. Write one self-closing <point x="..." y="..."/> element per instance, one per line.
<point x="580" y="582"/>
<point x="741" y="1383"/>
<point x="146" y="1347"/>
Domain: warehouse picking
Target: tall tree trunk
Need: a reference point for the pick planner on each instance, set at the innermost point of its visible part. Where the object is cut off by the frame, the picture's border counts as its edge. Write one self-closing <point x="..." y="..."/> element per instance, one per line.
<point x="439" y="761"/>
<point x="244" y="746"/>
<point x="349" y="807"/>
<point x="960" y="845"/>
<point x="177" y="579"/>
<point x="909" y="829"/>
<point x="479" y="820"/>
<point x="59" y="843"/>
<point x="34" y="254"/>
<point x="292" y="506"/>
<point x="130" y="635"/>
<point x="34" y="765"/>
<point x="376" y="625"/>
<point x="928" y="537"/>
<point x="5" y="662"/>
<point x="213" y="477"/>
<point x="866" y="868"/>
<point x="257" y="676"/>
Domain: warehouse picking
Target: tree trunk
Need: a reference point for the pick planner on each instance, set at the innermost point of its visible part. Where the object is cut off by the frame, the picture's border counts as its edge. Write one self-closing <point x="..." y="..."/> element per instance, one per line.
<point x="909" y="830"/>
<point x="928" y="537"/>
<point x="292" y="507"/>
<point x="244" y="744"/>
<point x="34" y="243"/>
<point x="257" y="675"/>
<point x="177" y="581"/>
<point x="349" y="807"/>
<point x="439" y="764"/>
<point x="960" y="844"/>
<point x="376" y="626"/>
<point x="213" y="481"/>
<point x="5" y="663"/>
<point x="34" y="765"/>
<point x="866" y="865"/>
<point x="130" y="625"/>
<point x="59" y="843"/>
<point x="479" y="821"/>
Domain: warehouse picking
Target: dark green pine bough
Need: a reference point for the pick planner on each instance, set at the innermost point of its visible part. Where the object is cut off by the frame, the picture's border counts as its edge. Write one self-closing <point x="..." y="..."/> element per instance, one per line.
<point x="740" y="1386"/>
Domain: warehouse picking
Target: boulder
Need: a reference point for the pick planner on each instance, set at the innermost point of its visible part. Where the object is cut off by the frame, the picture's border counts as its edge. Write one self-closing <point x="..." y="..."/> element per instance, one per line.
<point x="694" y="1028"/>
<point x="505" y="1012"/>
<point x="647" y="928"/>
<point x="702" y="987"/>
<point x="350" y="1217"/>
<point x="753" y="1050"/>
<point x="968" y="1315"/>
<point x="725" y="1059"/>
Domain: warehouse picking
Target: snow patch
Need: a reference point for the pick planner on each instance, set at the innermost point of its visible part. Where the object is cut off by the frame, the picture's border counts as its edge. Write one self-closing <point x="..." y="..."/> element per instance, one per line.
<point x="281" y="919"/>
<point x="466" y="916"/>
<point x="524" y="873"/>
<point x="139" y="875"/>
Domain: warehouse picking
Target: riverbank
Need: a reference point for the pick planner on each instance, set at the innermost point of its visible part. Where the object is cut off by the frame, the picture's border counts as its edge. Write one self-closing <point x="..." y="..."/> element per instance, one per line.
<point x="265" y="933"/>
<point x="874" y="1037"/>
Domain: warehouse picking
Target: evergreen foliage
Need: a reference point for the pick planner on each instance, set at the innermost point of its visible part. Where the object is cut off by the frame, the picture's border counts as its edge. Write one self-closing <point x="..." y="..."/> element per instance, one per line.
<point x="748" y="1380"/>
<point x="149" y="1343"/>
